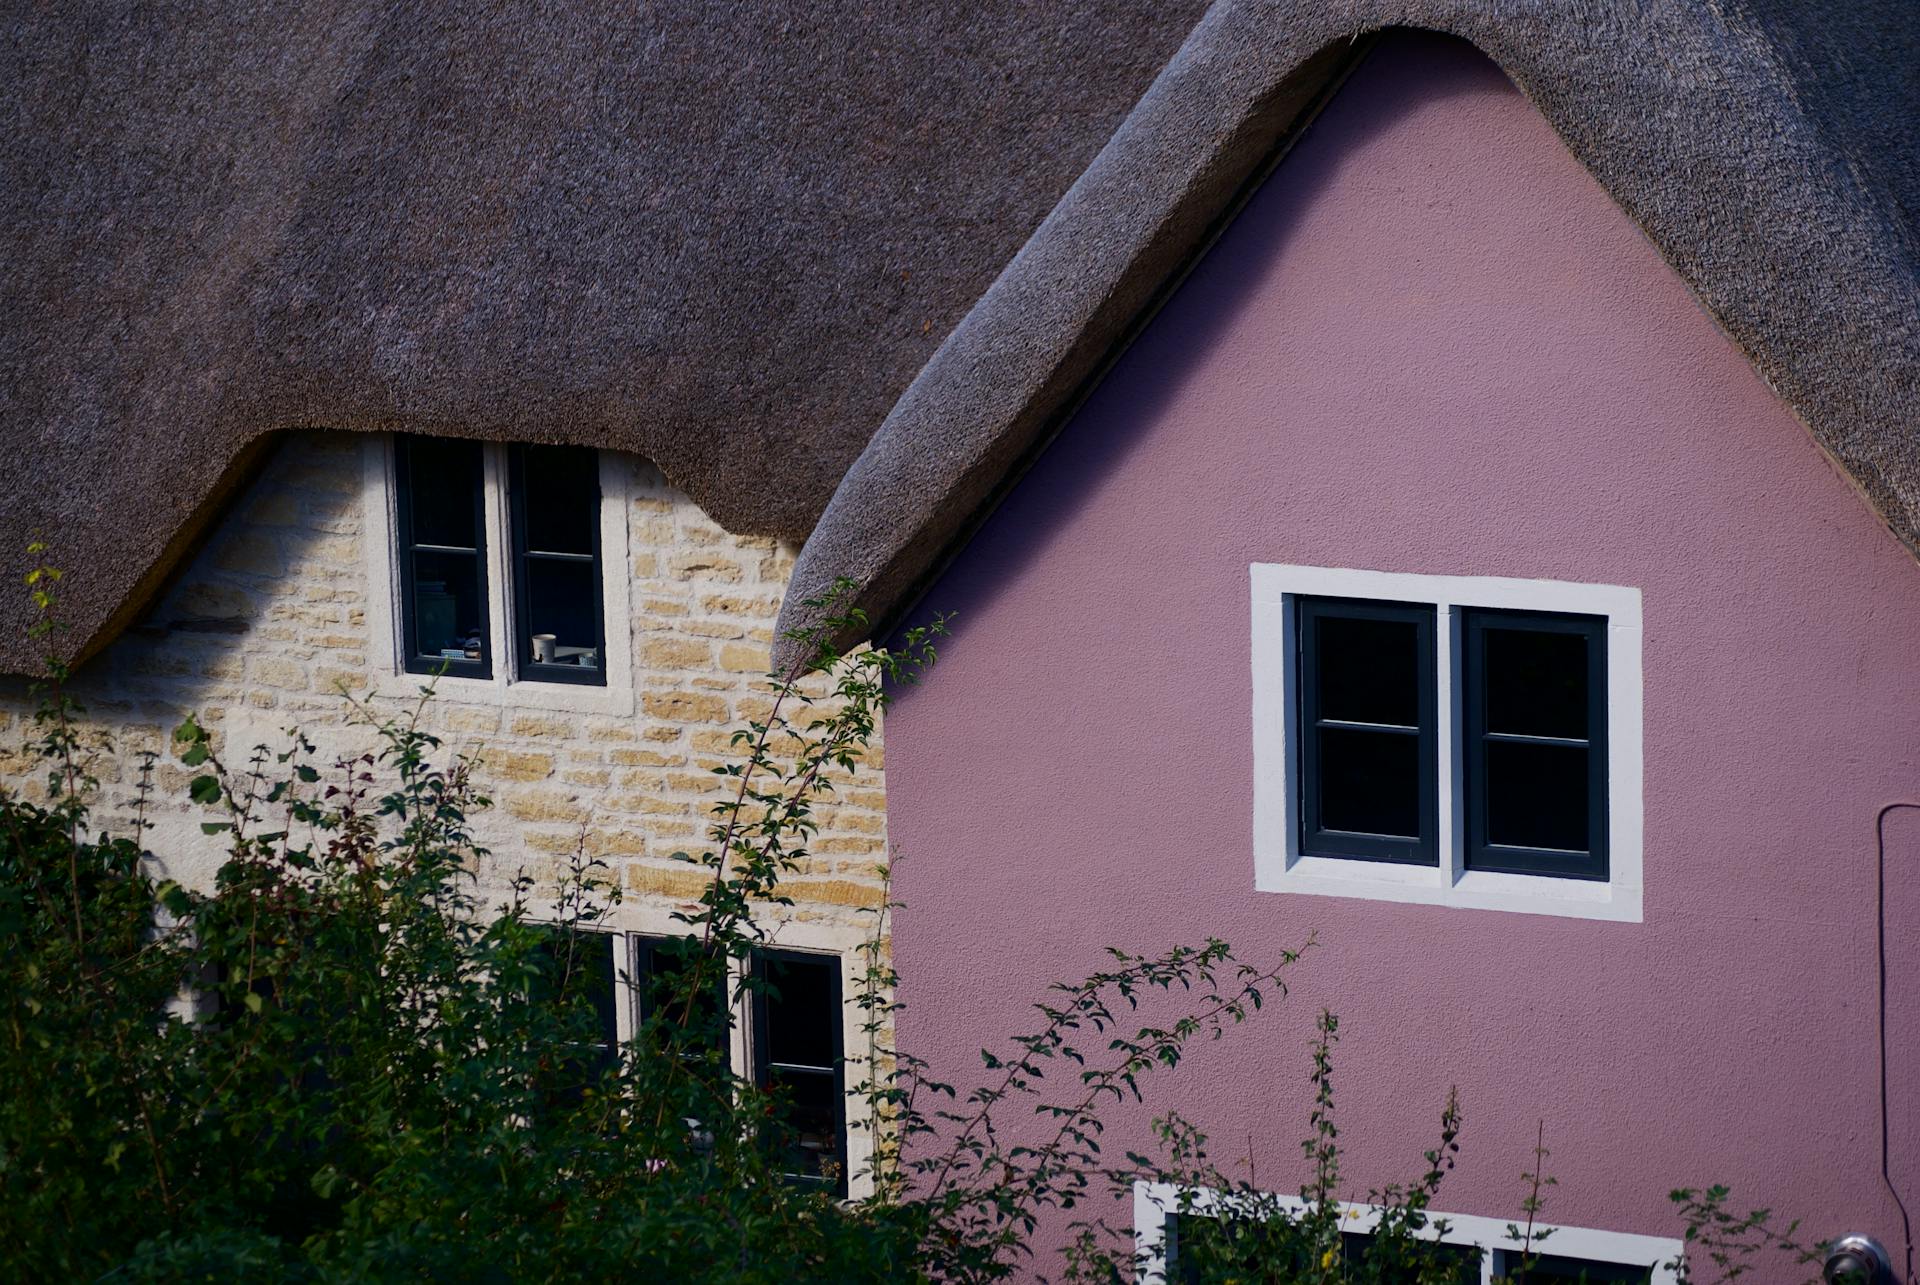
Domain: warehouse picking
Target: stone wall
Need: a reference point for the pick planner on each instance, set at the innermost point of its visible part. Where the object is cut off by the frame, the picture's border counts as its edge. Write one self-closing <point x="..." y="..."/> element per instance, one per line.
<point x="280" y="608"/>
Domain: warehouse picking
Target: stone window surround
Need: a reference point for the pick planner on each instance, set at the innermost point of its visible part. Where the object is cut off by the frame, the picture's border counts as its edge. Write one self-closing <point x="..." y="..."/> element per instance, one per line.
<point x="779" y="928"/>
<point x="1279" y="866"/>
<point x="385" y="646"/>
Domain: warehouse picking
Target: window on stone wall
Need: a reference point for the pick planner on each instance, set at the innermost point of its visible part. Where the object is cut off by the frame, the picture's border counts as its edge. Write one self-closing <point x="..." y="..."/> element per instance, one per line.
<point x="440" y="506"/>
<point x="796" y="1038"/>
<point x="559" y="623"/>
<point x="500" y="559"/>
<point x="791" y="1041"/>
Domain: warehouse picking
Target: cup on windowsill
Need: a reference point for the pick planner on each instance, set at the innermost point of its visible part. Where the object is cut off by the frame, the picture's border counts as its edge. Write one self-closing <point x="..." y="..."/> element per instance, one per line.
<point x="543" y="648"/>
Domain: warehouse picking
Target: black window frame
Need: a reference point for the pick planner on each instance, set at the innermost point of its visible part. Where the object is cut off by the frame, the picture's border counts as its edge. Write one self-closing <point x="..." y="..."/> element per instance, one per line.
<point x="763" y="1065"/>
<point x="414" y="662"/>
<point x="527" y="669"/>
<point x="1315" y="840"/>
<point x="1594" y="864"/>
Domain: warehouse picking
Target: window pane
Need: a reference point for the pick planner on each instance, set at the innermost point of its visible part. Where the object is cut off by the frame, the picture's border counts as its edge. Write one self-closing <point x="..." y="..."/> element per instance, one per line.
<point x="803" y="1012"/>
<point x="443" y="477"/>
<point x="666" y="964"/>
<point x="1537" y="795"/>
<point x="562" y="498"/>
<point x="1552" y="1267"/>
<point x="1369" y="782"/>
<point x="447" y="604"/>
<point x="560" y="601"/>
<point x="583" y="964"/>
<point x="1536" y="682"/>
<point x="813" y="1116"/>
<point x="1369" y="670"/>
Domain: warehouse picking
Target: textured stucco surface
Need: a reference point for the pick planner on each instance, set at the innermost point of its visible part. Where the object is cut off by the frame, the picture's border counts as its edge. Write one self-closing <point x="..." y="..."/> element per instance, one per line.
<point x="1434" y="345"/>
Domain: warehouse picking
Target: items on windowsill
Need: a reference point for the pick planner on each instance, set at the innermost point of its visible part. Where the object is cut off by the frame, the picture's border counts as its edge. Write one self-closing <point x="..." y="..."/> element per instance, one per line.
<point x="584" y="657"/>
<point x="544" y="648"/>
<point x="473" y="646"/>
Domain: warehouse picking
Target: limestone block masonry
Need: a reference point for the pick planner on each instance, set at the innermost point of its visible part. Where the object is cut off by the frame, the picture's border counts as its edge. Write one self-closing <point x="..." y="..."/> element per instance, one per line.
<point x="281" y="607"/>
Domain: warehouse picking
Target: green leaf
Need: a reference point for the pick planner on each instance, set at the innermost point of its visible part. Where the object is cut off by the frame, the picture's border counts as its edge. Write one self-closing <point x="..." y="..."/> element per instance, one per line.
<point x="215" y="827"/>
<point x="254" y="1002"/>
<point x="205" y="789"/>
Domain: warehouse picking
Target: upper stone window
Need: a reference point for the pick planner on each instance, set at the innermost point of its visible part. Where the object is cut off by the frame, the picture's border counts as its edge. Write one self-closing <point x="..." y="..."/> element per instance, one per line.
<point x="498" y="557"/>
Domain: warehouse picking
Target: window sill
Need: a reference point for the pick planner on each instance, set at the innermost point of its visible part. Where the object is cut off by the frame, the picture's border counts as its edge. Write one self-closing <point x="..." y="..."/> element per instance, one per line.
<point x="1469" y="890"/>
<point x="494" y="693"/>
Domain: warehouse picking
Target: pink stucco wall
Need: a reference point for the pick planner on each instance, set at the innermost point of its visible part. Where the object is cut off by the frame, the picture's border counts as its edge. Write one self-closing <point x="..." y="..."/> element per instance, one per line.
<point x="1432" y="344"/>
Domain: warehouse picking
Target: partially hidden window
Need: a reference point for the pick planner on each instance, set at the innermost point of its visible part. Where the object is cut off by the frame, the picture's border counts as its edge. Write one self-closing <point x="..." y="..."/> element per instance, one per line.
<point x="661" y="966"/>
<point x="1188" y="1236"/>
<point x="797" y="1054"/>
<point x="441" y="497"/>
<point x="791" y="1043"/>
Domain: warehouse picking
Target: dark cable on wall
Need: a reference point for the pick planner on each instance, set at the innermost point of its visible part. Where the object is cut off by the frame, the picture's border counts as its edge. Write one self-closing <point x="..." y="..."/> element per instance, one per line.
<point x="1886" y="1132"/>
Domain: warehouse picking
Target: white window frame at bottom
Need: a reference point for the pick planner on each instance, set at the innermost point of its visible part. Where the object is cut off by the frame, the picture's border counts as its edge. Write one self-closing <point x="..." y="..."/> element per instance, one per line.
<point x="1280" y="866"/>
<point x="1155" y="1202"/>
<point x="505" y="688"/>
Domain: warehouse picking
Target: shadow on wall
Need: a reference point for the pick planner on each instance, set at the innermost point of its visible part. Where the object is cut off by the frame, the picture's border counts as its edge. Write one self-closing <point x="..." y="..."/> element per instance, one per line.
<point x="1174" y="348"/>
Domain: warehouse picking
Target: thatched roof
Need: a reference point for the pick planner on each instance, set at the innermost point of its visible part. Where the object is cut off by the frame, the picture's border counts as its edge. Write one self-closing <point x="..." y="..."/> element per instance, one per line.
<point x="1766" y="147"/>
<point x="724" y="236"/>
<point x="738" y="238"/>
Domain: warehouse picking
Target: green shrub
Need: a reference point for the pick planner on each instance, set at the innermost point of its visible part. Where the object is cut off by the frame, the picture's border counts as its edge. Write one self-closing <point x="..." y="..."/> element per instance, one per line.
<point x="341" y="1064"/>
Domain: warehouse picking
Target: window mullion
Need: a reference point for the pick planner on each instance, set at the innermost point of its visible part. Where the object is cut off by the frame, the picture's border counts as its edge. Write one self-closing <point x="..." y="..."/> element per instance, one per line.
<point x="499" y="563"/>
<point x="1449" y="803"/>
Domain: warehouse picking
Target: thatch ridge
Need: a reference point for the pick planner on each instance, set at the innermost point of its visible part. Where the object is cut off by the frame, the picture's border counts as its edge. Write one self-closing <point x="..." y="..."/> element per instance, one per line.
<point x="1764" y="147"/>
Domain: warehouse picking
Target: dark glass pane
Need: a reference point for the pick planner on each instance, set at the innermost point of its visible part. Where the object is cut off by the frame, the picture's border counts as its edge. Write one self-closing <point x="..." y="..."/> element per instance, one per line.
<point x="663" y="990"/>
<point x="447" y="605"/>
<point x="803" y="1011"/>
<point x="443" y="478"/>
<point x="1462" y="1263"/>
<point x="1369" y="782"/>
<point x="1537" y="795"/>
<point x="583" y="963"/>
<point x="560" y="492"/>
<point x="1369" y="670"/>
<point x="560" y="601"/>
<point x="1552" y="1267"/>
<point x="813" y="1118"/>
<point x="1536" y="682"/>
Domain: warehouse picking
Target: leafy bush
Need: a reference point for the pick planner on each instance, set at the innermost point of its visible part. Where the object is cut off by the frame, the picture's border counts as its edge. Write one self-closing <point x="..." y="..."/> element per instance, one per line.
<point x="341" y="1064"/>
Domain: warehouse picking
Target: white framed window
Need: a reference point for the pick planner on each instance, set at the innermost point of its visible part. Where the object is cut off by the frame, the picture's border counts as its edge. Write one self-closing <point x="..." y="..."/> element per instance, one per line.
<point x="1565" y="1253"/>
<point x="791" y="1033"/>
<point x="1463" y="741"/>
<point x="504" y="567"/>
